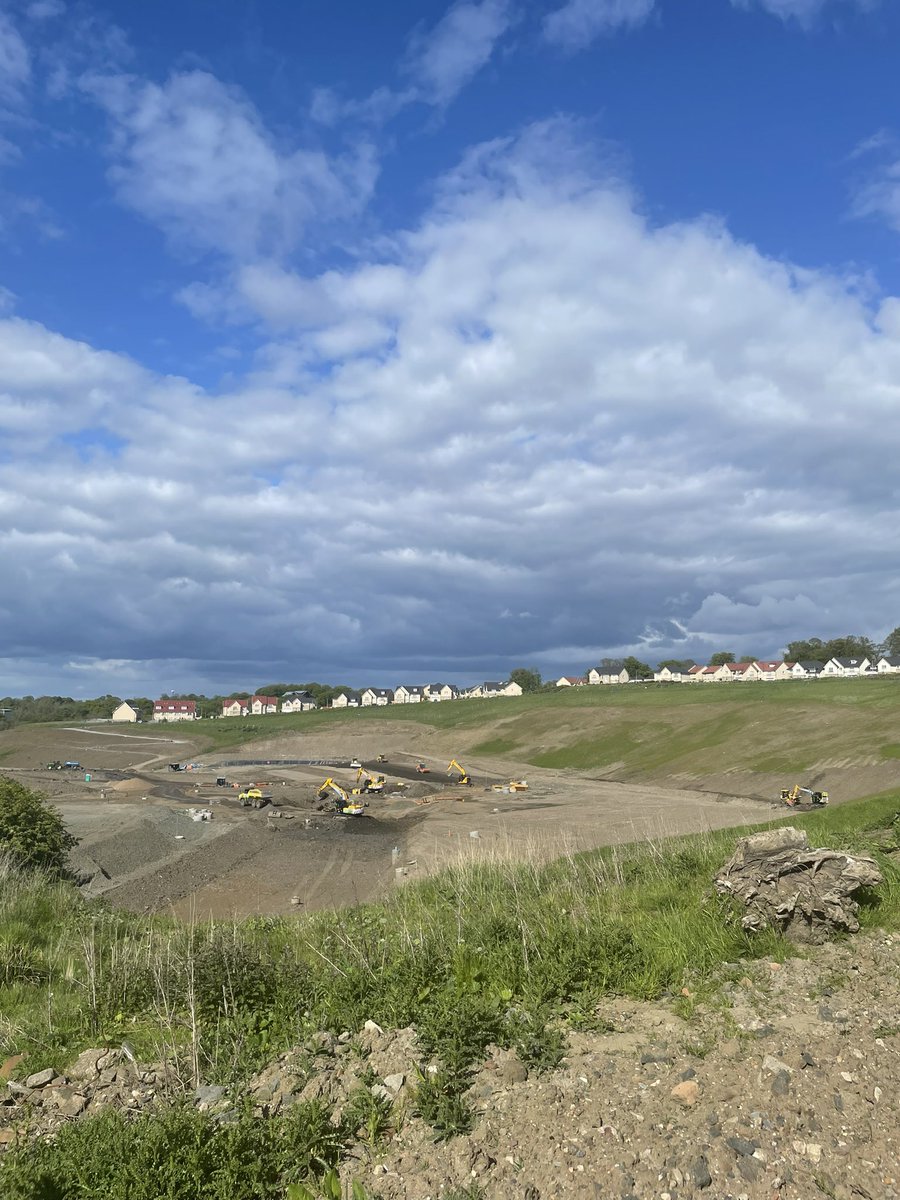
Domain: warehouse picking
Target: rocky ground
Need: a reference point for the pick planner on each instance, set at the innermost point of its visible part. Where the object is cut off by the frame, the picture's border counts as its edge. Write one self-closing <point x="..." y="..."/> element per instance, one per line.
<point x="783" y="1082"/>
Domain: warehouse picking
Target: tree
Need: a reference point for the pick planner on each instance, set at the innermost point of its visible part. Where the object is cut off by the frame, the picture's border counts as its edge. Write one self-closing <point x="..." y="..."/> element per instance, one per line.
<point x="891" y="644"/>
<point x="637" y="669"/>
<point x="721" y="657"/>
<point x="812" y="650"/>
<point x="852" y="645"/>
<point x="528" y="681"/>
<point x="33" y="834"/>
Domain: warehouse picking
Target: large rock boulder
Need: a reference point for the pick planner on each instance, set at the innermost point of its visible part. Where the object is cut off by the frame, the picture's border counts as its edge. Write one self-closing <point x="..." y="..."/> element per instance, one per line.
<point x="785" y="884"/>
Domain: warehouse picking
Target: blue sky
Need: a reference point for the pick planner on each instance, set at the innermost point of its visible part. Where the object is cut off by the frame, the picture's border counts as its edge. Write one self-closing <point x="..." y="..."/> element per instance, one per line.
<point x="381" y="343"/>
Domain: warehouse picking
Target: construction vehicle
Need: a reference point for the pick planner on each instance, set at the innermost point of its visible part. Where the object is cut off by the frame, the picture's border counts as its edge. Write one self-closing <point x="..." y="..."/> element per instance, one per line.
<point x="464" y="780"/>
<point x="381" y="758"/>
<point x="421" y="769"/>
<point x="795" y="795"/>
<point x="253" y="798"/>
<point x="343" y="802"/>
<point x="368" y="782"/>
<point x="514" y="785"/>
<point x="354" y="762"/>
<point x="56" y="765"/>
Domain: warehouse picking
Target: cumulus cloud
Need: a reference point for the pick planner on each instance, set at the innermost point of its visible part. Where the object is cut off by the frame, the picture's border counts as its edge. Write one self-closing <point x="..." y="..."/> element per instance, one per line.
<point x="532" y="401"/>
<point x="194" y="157"/>
<point x="579" y="22"/>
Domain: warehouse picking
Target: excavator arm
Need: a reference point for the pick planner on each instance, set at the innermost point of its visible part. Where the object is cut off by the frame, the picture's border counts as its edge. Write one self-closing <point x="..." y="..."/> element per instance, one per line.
<point x="464" y="779"/>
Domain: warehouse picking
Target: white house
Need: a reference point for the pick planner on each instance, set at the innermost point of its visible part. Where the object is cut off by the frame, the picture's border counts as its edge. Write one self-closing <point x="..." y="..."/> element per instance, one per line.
<point x="772" y="669"/>
<point x="126" y="712"/>
<point x="293" y="702"/>
<point x="377" y="697"/>
<point x="809" y="668"/>
<point x="441" y="691"/>
<point x="261" y="706"/>
<point x="570" y="681"/>
<point x="234" y="706"/>
<point x="174" y="710"/>
<point x="347" y="699"/>
<point x="737" y="672"/>
<point x="490" y="689"/>
<point x="845" y="668"/>
<point x="408" y="693"/>
<point x="613" y="673"/>
<point x="888" y="664"/>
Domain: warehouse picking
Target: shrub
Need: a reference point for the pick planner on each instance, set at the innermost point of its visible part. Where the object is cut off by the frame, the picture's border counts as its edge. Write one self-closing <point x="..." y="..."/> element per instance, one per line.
<point x="30" y="832"/>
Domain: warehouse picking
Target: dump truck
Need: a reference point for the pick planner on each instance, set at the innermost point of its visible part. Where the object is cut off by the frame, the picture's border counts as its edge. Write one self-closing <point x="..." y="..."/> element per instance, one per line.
<point x="253" y="798"/>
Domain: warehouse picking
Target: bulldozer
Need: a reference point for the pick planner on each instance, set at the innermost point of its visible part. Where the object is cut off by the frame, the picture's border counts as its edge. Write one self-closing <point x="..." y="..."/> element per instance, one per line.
<point x="795" y="795"/>
<point x="464" y="780"/>
<point x="344" y="804"/>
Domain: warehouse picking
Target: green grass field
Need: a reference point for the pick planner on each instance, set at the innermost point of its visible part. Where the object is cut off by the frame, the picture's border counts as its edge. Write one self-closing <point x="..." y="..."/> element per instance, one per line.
<point x="650" y="730"/>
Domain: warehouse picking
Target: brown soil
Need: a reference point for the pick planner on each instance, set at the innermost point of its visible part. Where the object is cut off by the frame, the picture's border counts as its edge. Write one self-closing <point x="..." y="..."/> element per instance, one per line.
<point x="786" y="1088"/>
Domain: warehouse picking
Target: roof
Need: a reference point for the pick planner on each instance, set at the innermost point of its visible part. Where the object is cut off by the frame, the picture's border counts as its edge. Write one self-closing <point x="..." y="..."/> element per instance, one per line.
<point x="768" y="665"/>
<point x="174" y="705"/>
<point x="810" y="664"/>
<point x="848" y="662"/>
<point x="304" y="695"/>
<point x="235" y="700"/>
<point x="740" y="667"/>
<point x="378" y="691"/>
<point x="264" y="699"/>
<point x="613" y="667"/>
<point x="573" y="678"/>
<point x="892" y="660"/>
<point x="412" y="688"/>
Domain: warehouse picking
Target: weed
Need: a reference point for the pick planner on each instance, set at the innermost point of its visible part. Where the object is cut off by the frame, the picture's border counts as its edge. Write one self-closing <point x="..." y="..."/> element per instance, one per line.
<point x="440" y="1101"/>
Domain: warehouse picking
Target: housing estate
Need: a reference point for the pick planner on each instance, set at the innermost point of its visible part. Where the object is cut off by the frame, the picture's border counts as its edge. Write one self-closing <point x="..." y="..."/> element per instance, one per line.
<point x="174" y="710"/>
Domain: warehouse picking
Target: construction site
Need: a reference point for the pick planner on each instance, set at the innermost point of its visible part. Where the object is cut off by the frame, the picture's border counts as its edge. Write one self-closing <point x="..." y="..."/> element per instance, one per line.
<point x="323" y="820"/>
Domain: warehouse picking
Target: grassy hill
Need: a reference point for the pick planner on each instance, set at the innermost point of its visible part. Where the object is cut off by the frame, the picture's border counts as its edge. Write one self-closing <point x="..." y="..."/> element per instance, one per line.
<point x="639" y="731"/>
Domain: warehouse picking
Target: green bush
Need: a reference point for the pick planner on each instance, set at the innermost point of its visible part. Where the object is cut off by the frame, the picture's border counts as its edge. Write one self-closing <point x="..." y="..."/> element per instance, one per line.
<point x="32" y="834"/>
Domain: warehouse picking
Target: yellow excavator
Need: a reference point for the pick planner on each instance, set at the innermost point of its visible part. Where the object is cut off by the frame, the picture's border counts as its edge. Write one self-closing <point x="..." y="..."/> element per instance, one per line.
<point x="343" y="802"/>
<point x="796" y="794"/>
<point x="464" y="780"/>
<point x="367" y="782"/>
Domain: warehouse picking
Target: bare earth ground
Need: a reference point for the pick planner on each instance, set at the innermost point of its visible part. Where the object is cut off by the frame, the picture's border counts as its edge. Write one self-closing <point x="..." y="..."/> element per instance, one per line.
<point x="787" y="1087"/>
<point x="140" y="849"/>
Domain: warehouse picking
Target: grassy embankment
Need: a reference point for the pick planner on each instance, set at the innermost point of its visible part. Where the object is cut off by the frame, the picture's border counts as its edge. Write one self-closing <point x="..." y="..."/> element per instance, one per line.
<point x="508" y="953"/>
<point x="642" y="731"/>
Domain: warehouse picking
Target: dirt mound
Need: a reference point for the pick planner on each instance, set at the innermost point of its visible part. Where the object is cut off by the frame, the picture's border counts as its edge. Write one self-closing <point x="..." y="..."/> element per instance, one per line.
<point x="134" y="847"/>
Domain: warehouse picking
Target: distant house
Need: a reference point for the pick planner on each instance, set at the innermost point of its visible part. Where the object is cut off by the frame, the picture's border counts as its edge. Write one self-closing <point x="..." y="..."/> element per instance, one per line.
<point x="441" y="691"/>
<point x="613" y="672"/>
<point x="408" y="693"/>
<point x="126" y="711"/>
<point x="773" y="669"/>
<point x="292" y="702"/>
<point x="809" y="668"/>
<point x="846" y="668"/>
<point x="235" y="706"/>
<point x="346" y="699"/>
<point x="571" y="681"/>
<point x="491" y="690"/>
<point x="261" y="706"/>
<point x="174" y="710"/>
<point x="376" y="697"/>
<point x="737" y="672"/>
<point x="888" y="664"/>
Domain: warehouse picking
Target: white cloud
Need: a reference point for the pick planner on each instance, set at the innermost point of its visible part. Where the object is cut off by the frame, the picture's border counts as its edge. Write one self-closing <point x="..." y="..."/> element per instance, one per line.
<point x="802" y="11"/>
<point x="15" y="61"/>
<point x="878" y="190"/>
<point x="194" y="157"/>
<point x="441" y="62"/>
<point x="534" y="401"/>
<point x="579" y="22"/>
<point x="45" y="10"/>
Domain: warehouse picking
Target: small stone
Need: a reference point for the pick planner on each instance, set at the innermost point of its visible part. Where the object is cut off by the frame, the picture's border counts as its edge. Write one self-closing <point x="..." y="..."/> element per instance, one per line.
<point x="700" y="1173"/>
<point x="781" y="1084"/>
<point x="838" y="1101"/>
<point x="774" y="1065"/>
<point x="846" y="1076"/>
<point x="372" y="1027"/>
<point x="209" y="1095"/>
<point x="807" y="1060"/>
<point x="653" y="1056"/>
<point x="741" y="1146"/>
<point x="41" y="1078"/>
<point x="395" y="1082"/>
<point x="86" y="1064"/>
<point x="686" y="1093"/>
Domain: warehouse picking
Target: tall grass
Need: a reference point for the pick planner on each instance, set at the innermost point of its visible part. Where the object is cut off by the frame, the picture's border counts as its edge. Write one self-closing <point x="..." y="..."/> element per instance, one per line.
<point x="483" y="952"/>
